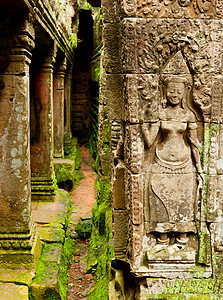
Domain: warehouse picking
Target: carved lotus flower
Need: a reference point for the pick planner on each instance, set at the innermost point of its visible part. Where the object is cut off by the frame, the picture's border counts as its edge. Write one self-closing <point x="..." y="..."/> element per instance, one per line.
<point x="184" y="2"/>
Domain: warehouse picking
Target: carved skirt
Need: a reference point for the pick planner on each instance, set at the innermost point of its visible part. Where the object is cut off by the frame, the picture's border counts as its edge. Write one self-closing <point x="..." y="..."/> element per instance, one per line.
<point x="171" y="197"/>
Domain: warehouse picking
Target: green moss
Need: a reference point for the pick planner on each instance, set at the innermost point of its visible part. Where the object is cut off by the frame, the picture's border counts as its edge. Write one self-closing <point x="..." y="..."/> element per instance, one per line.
<point x="77" y="178"/>
<point x="204" y="253"/>
<point x="101" y="249"/>
<point x="78" y="157"/>
<point x="105" y="133"/>
<point x="100" y="290"/>
<point x="64" y="170"/>
<point x="83" y="4"/>
<point x="191" y="289"/>
<point x="66" y="259"/>
<point x="84" y="228"/>
<point x="51" y="277"/>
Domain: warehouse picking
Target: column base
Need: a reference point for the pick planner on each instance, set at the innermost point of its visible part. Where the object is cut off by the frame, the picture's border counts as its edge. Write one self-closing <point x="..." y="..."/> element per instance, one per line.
<point x="43" y="190"/>
<point x="68" y="145"/>
<point x="16" y="249"/>
<point x="68" y="148"/>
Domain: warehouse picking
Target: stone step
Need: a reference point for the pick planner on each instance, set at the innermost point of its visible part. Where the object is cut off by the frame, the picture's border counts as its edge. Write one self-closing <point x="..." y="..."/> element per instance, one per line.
<point x="11" y="291"/>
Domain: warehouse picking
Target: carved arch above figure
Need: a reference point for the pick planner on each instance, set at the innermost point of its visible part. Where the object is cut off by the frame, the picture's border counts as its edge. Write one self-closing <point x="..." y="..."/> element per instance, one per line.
<point x="170" y="8"/>
<point x="155" y="42"/>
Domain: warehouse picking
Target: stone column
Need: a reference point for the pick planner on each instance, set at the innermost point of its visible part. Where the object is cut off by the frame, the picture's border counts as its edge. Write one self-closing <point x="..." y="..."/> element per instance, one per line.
<point x="67" y="114"/>
<point x="16" y="235"/>
<point x="43" y="177"/>
<point x="58" y="109"/>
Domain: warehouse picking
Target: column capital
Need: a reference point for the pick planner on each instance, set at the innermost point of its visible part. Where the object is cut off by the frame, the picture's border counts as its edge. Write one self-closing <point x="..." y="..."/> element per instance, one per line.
<point x="50" y="58"/>
<point x="17" y="40"/>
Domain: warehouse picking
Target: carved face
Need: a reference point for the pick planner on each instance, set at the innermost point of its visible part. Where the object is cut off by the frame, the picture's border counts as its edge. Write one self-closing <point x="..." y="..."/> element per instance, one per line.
<point x="175" y="93"/>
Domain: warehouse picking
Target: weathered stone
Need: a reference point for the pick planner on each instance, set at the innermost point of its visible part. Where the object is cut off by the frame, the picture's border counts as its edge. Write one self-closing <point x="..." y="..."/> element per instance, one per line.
<point x="110" y="11"/>
<point x="14" y="140"/>
<point x="113" y="97"/>
<point x="58" y="109"/>
<point x="84" y="227"/>
<point x="51" y="212"/>
<point x="46" y="279"/>
<point x="41" y="149"/>
<point x="169" y="9"/>
<point x="64" y="169"/>
<point x="166" y="147"/>
<point x="120" y="233"/>
<point x="112" y="48"/>
<point x="30" y="33"/>
<point x="14" y="292"/>
<point x="67" y="115"/>
<point x="142" y="95"/>
<point x="119" y="188"/>
<point x="51" y="234"/>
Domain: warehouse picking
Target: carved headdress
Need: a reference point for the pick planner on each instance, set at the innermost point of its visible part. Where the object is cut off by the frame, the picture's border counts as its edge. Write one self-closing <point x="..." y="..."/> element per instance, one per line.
<point x="176" y="70"/>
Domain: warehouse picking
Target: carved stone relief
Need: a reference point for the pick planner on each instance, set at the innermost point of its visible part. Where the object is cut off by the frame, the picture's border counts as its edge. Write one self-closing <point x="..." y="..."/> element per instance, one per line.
<point x="142" y="95"/>
<point x="170" y="8"/>
<point x="162" y="154"/>
<point x="149" y="44"/>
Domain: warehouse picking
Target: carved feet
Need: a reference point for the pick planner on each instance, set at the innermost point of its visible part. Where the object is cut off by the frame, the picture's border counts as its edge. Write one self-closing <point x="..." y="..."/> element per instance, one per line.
<point x="166" y="250"/>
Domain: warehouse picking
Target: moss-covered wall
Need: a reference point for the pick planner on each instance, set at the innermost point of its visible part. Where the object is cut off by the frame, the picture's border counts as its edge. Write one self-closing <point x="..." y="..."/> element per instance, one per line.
<point x="101" y="246"/>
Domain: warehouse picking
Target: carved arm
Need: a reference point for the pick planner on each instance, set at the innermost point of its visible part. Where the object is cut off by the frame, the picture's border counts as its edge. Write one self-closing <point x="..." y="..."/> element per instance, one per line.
<point x="194" y="145"/>
<point x="150" y="132"/>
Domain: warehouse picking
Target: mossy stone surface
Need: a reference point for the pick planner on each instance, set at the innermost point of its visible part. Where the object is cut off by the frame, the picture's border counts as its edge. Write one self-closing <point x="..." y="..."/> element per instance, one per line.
<point x="13" y="291"/>
<point x="64" y="169"/>
<point x="51" y="233"/>
<point x="84" y="228"/>
<point x="101" y="247"/>
<point x="51" y="212"/>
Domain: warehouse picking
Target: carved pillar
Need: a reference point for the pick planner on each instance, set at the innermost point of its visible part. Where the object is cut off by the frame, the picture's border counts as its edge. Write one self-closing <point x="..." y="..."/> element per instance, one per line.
<point x="67" y="114"/>
<point x="16" y="233"/>
<point x="58" y="109"/>
<point x="43" y="177"/>
<point x="171" y="167"/>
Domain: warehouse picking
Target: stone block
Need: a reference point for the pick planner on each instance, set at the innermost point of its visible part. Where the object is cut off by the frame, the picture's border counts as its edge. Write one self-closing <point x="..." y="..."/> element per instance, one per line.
<point x="199" y="41"/>
<point x="142" y="97"/>
<point x="45" y="282"/>
<point x="13" y="292"/>
<point x="25" y="252"/>
<point x="84" y="227"/>
<point x="134" y="148"/>
<point x="18" y="273"/>
<point x="168" y="9"/>
<point x="120" y="233"/>
<point x="51" y="212"/>
<point x="64" y="169"/>
<point x="113" y="96"/>
<point x="219" y="8"/>
<point x="119" y="188"/>
<point x="51" y="234"/>
<point x="112" y="48"/>
<point x="110" y="11"/>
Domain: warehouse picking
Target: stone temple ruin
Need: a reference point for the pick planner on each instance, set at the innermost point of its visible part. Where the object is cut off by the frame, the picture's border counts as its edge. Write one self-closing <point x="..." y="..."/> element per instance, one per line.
<point x="162" y="85"/>
<point x="160" y="140"/>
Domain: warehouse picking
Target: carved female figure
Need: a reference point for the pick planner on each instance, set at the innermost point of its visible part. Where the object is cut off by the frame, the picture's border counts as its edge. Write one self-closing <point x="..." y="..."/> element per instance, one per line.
<point x="172" y="186"/>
